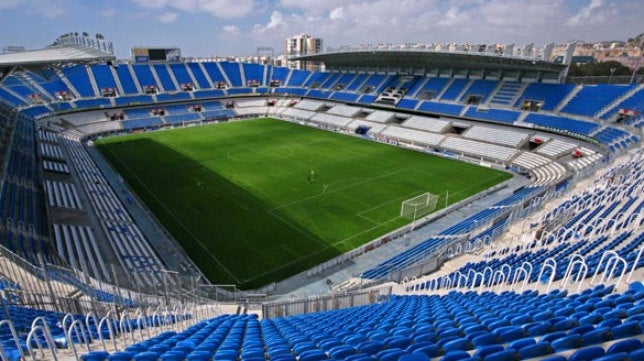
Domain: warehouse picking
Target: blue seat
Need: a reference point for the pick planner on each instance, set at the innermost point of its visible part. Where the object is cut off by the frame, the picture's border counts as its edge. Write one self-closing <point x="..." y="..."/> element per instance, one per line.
<point x="536" y="350"/>
<point x="173" y="355"/>
<point x="486" y="339"/>
<point x="637" y="355"/>
<point x="147" y="356"/>
<point x="551" y="337"/>
<point x="342" y="351"/>
<point x="390" y="354"/>
<point x="555" y="358"/>
<point x="398" y="342"/>
<point x="623" y="356"/>
<point x="628" y="345"/>
<point x="95" y="356"/>
<point x="627" y="329"/>
<point x="521" y="343"/>
<point x="455" y="356"/>
<point x="598" y="335"/>
<point x="430" y="350"/>
<point x="371" y="347"/>
<point x="568" y="343"/>
<point x="201" y="356"/>
<point x="461" y="344"/>
<point x="506" y="355"/>
<point x="487" y="350"/>
<point x="415" y="356"/>
<point x="313" y="355"/>
<point x="121" y="356"/>
<point x="587" y="354"/>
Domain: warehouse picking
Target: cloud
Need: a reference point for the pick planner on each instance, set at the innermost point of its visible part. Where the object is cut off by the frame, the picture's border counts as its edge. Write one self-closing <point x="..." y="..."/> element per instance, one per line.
<point x="231" y="30"/>
<point x="337" y="13"/>
<point x="585" y="13"/>
<point x="108" y="13"/>
<point x="275" y="22"/>
<point x="216" y="8"/>
<point x="167" y="17"/>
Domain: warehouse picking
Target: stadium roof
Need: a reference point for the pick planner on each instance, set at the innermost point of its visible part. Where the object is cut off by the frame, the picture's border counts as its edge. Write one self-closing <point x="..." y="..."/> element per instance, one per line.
<point x="54" y="55"/>
<point x="51" y="56"/>
<point x="428" y="61"/>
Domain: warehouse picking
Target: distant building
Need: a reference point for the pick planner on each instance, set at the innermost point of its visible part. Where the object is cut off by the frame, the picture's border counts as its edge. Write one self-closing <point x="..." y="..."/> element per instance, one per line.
<point x="303" y="44"/>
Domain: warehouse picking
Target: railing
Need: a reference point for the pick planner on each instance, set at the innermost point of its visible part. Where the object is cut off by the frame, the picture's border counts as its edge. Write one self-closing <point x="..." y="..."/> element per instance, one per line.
<point x="325" y="303"/>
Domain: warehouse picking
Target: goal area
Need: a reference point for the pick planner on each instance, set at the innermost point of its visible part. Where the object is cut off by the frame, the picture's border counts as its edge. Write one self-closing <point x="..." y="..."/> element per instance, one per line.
<point x="418" y="206"/>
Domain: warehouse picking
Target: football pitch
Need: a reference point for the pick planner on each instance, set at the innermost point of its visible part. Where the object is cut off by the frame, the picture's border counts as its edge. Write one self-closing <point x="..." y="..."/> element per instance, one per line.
<point x="256" y="201"/>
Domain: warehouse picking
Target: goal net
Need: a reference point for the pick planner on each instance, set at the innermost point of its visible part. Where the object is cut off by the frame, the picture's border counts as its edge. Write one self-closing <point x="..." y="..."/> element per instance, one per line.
<point x="418" y="206"/>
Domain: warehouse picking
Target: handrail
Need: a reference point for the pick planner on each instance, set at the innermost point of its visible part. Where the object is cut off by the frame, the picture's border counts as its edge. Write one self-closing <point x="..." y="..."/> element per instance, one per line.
<point x="549" y="263"/>
<point x="635" y="263"/>
<point x="494" y="279"/>
<point x="579" y="277"/>
<point x="76" y="326"/>
<point x="67" y="317"/>
<point x="87" y="318"/>
<point x="14" y="335"/>
<point x="615" y="261"/>
<point x="573" y="258"/>
<point x="110" y="329"/>
<point x="601" y="262"/>
<point x="126" y="326"/>
<point x="50" y="343"/>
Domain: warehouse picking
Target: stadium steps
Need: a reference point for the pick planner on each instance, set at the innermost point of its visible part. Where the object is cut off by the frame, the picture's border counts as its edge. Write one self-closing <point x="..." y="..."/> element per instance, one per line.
<point x="205" y="73"/>
<point x="355" y="79"/>
<point x="499" y="85"/>
<point x="445" y="87"/>
<point x="10" y="91"/>
<point x="421" y="87"/>
<point x="568" y="98"/>
<point x="153" y="71"/>
<point x="68" y="84"/>
<point x="266" y="75"/>
<point x="288" y="77"/>
<point x="242" y="74"/>
<point x="117" y="80"/>
<point x="619" y="100"/>
<point x="223" y="73"/>
<point x="34" y="86"/>
<point x="194" y="81"/>
<point x="464" y="91"/>
<point x="134" y="77"/>
<point x="464" y="110"/>
<point x="92" y="81"/>
<point x="172" y="77"/>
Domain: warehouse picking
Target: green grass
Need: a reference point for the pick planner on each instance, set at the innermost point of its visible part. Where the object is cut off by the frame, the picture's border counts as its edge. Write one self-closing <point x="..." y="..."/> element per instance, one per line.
<point x="237" y="198"/>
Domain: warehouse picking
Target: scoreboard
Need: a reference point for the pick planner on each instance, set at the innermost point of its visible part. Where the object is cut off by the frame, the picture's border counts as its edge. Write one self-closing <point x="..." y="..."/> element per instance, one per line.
<point x="148" y="54"/>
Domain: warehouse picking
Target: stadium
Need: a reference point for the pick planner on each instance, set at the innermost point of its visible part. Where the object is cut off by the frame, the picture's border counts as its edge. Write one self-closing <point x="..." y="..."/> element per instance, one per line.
<point x="404" y="204"/>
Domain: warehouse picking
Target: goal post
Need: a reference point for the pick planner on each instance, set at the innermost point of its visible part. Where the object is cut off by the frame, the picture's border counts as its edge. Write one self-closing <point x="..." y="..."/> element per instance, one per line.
<point x="418" y="206"/>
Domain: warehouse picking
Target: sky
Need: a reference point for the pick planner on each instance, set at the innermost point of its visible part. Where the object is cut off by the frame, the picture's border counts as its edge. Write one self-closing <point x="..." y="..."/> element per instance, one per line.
<point x="204" y="28"/>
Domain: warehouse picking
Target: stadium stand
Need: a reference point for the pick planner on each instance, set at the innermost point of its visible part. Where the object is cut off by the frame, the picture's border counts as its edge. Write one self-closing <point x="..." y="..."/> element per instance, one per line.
<point x="48" y="168"/>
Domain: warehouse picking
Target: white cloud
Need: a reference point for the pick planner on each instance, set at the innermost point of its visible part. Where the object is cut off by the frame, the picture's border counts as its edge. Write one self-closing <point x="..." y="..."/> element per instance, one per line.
<point x="216" y="8"/>
<point x="337" y="13"/>
<point x="276" y="22"/>
<point x="167" y="17"/>
<point x="231" y="30"/>
<point x="585" y="13"/>
<point x="108" y="13"/>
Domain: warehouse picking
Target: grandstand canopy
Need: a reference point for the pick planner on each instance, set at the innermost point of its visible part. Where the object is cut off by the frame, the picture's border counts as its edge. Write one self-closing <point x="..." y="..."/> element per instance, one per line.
<point x="437" y="63"/>
<point x="51" y="56"/>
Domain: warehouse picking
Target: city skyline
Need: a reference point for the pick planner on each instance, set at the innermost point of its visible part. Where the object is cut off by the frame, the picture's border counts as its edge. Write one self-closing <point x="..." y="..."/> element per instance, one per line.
<point x="203" y="28"/>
